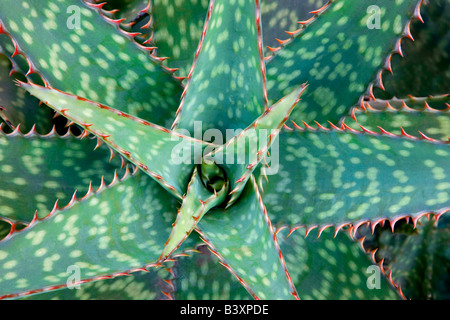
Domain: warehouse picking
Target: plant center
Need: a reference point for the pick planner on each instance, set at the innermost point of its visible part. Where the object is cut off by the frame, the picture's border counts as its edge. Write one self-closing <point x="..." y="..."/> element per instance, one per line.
<point x="213" y="177"/>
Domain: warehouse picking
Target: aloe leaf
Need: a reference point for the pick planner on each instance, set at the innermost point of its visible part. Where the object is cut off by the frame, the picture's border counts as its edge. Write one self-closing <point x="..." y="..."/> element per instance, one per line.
<point x="5" y="227"/>
<point x="424" y="70"/>
<point x="241" y="155"/>
<point x="340" y="55"/>
<point x="128" y="9"/>
<point x="344" y="177"/>
<point x="196" y="203"/>
<point x="177" y="29"/>
<point x="43" y="169"/>
<point x="18" y="62"/>
<point x="243" y="238"/>
<point x="332" y="268"/>
<point x="198" y="275"/>
<point x="166" y="156"/>
<point x="139" y="285"/>
<point x="415" y="117"/>
<point x="226" y="86"/>
<point x="414" y="256"/>
<point x="17" y="106"/>
<point x="280" y="16"/>
<point x="119" y="228"/>
<point x="88" y="55"/>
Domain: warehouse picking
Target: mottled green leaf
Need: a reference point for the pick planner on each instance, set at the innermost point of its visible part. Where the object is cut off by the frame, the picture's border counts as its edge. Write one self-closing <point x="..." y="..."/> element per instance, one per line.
<point x="18" y="106"/>
<point x="196" y="203"/>
<point x="177" y="29"/>
<point x="425" y="68"/>
<point x="37" y="170"/>
<point x="76" y="50"/>
<point x="241" y="155"/>
<point x="119" y="228"/>
<point x="393" y="116"/>
<point x="336" y="177"/>
<point x="127" y="9"/>
<point x="243" y="238"/>
<point x="139" y="285"/>
<point x="332" y="268"/>
<point x="5" y="228"/>
<point x="280" y="16"/>
<point x="166" y="156"/>
<point x="338" y="55"/>
<point x="199" y="276"/>
<point x="226" y="90"/>
<point x="417" y="258"/>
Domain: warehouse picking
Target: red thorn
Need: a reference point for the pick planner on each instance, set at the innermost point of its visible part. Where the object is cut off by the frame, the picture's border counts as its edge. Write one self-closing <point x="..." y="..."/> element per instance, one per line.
<point x="306" y="21"/>
<point x="293" y="33"/>
<point x="406" y="135"/>
<point x="389" y="107"/>
<point x="308" y="230"/>
<point x="387" y="64"/>
<point x="320" y="126"/>
<point x="282" y="42"/>
<point x="334" y="127"/>
<point x="16" y="50"/>
<point x="346" y="127"/>
<point x="371" y="92"/>
<point x="367" y="130"/>
<point x="30" y="69"/>
<point x="386" y="132"/>
<point x="96" y="5"/>
<point x="407" y="31"/>
<point x="398" y="47"/>
<point x="84" y="134"/>
<point x="307" y="126"/>
<point x="320" y="9"/>
<point x="425" y="137"/>
<point x="380" y="80"/>
<point x="417" y="14"/>
<point x="273" y="49"/>
<point x="321" y="230"/>
<point x="353" y="115"/>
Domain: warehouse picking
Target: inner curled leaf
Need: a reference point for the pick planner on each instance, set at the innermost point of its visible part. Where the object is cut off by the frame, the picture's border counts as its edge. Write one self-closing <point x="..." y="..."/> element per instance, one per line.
<point x="213" y="177"/>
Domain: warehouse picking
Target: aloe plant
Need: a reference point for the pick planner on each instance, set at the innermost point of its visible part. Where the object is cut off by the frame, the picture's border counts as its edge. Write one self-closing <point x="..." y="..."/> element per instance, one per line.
<point x="157" y="150"/>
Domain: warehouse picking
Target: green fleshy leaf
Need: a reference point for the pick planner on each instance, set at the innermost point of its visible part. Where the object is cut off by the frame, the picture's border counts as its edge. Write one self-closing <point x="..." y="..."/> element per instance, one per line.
<point x="42" y="169"/>
<point x="241" y="155"/>
<point x="433" y="123"/>
<point x="337" y="177"/>
<point x="199" y="276"/>
<point x="120" y="227"/>
<point x="242" y="236"/>
<point x="338" y="56"/>
<point x="138" y="285"/>
<point x="5" y="228"/>
<point x="128" y="9"/>
<point x="18" y="106"/>
<point x="424" y="69"/>
<point x="226" y="90"/>
<point x="177" y="29"/>
<point x="332" y="268"/>
<point x="196" y="203"/>
<point x="280" y="16"/>
<point x="88" y="56"/>
<point x="152" y="148"/>
<point x="417" y="258"/>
